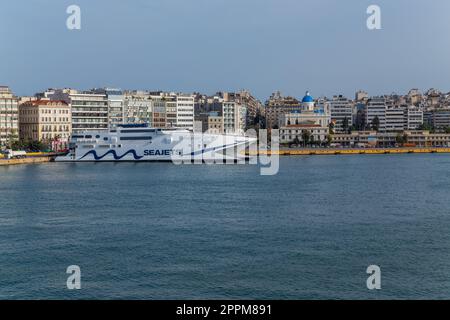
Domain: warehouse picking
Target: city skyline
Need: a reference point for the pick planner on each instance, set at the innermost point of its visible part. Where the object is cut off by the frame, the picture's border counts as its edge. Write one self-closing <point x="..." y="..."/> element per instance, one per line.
<point x="351" y="96"/>
<point x="266" y="46"/>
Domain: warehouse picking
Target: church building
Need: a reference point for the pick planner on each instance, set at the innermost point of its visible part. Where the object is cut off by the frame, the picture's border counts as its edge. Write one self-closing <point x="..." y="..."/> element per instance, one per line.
<point x="311" y="123"/>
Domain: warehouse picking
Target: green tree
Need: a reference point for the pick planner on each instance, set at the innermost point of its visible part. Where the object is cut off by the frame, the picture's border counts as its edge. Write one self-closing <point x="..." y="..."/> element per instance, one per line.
<point x="425" y="127"/>
<point x="306" y="135"/>
<point x="345" y="124"/>
<point x="12" y="138"/>
<point x="405" y="138"/>
<point x="400" y="139"/>
<point x="360" y="121"/>
<point x="329" y="139"/>
<point x="375" y="123"/>
<point x="331" y="128"/>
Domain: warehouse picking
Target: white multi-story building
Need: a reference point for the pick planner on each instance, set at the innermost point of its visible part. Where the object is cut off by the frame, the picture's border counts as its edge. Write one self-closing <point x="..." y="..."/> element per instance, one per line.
<point x="341" y="110"/>
<point x="229" y="115"/>
<point x="376" y="108"/>
<point x="159" y="109"/>
<point x="9" y="116"/>
<point x="234" y="117"/>
<point x="89" y="111"/>
<point x="414" y="118"/>
<point x="185" y="111"/>
<point x="395" y="118"/>
<point x="438" y="118"/>
<point x="138" y="108"/>
<point x="115" y="107"/>
<point x="116" y="110"/>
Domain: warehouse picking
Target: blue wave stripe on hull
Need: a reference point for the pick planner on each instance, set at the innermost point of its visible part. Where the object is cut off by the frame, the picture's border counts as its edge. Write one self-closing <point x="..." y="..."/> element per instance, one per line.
<point x="113" y="152"/>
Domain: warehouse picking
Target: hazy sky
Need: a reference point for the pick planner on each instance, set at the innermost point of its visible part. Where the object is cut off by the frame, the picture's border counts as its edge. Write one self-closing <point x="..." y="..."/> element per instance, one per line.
<point x="209" y="45"/>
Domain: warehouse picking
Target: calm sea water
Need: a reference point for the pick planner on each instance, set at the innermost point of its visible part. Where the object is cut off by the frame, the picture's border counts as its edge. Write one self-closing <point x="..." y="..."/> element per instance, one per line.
<point x="160" y="231"/>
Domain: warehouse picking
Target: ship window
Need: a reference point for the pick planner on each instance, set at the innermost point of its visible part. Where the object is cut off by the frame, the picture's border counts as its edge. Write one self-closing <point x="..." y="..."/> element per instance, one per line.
<point x="105" y="138"/>
<point x="97" y="136"/>
<point x="88" y="136"/>
<point x="136" y="138"/>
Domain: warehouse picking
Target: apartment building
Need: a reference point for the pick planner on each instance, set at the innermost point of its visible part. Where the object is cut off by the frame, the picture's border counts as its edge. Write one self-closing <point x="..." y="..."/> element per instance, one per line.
<point x="171" y="111"/>
<point x="395" y="118"/>
<point x="9" y="116"/>
<point x="49" y="121"/>
<point x="138" y="108"/>
<point x="376" y="108"/>
<point x="90" y="111"/>
<point x="233" y="117"/>
<point x="159" y="111"/>
<point x="438" y="118"/>
<point x="341" y="111"/>
<point x="212" y="122"/>
<point x="185" y="111"/>
<point x="414" y="118"/>
<point x="115" y="107"/>
<point x="276" y="106"/>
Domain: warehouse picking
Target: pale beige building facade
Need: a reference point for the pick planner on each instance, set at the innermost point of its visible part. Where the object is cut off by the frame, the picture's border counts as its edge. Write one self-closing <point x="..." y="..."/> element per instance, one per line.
<point x="215" y="124"/>
<point x="47" y="121"/>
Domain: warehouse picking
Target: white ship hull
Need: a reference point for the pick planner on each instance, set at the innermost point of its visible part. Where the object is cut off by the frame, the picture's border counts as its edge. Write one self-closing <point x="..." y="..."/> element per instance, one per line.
<point x="140" y="143"/>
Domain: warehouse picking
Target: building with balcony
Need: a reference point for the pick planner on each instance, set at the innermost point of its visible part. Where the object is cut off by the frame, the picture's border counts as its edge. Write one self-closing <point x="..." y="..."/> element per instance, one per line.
<point x="438" y="118"/>
<point x="341" y="111"/>
<point x="185" y="111"/>
<point x="90" y="111"/>
<point x="277" y="106"/>
<point x="138" y="108"/>
<point x="9" y="117"/>
<point x="376" y="109"/>
<point x="48" y="121"/>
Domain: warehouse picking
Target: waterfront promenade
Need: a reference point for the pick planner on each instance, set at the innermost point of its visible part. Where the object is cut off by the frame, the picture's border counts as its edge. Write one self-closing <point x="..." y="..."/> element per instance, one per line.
<point x="31" y="158"/>
<point x="350" y="151"/>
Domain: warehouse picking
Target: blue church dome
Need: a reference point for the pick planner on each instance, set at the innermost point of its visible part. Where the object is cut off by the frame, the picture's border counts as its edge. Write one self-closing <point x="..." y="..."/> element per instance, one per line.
<point x="307" y="98"/>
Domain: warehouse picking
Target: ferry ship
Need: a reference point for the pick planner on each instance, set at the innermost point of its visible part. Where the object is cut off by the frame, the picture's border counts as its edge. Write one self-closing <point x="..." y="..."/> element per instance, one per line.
<point x="139" y="142"/>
